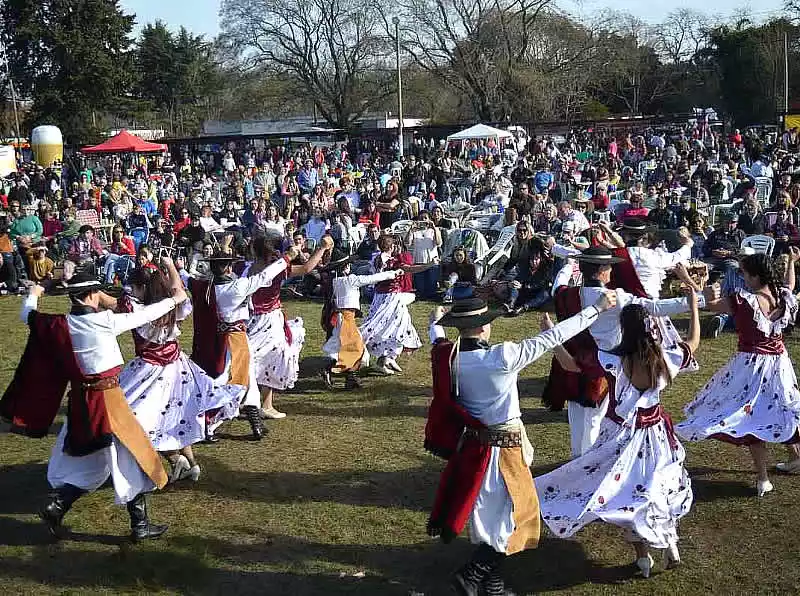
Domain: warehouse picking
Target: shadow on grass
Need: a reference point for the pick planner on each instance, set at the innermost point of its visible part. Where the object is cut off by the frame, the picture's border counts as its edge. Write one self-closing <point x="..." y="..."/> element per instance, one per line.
<point x="17" y="533"/>
<point x="189" y="565"/>
<point x="411" y="489"/>
<point x="23" y="488"/>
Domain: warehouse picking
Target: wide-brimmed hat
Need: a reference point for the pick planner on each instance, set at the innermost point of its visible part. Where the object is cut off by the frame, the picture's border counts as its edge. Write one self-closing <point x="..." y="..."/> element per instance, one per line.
<point x="81" y="282"/>
<point x="469" y="313"/>
<point x="223" y="257"/>
<point x="635" y="226"/>
<point x="597" y="255"/>
<point x="338" y="261"/>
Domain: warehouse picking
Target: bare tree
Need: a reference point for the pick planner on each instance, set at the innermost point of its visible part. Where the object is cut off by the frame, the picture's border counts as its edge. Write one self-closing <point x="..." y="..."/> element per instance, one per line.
<point x="473" y="45"/>
<point x="682" y="35"/>
<point x="335" y="50"/>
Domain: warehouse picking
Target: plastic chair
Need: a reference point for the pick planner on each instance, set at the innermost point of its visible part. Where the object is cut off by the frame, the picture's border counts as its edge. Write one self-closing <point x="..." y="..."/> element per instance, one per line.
<point x="760" y="243"/>
<point x="401" y="227"/>
<point x="718" y="210"/>
<point x="763" y="189"/>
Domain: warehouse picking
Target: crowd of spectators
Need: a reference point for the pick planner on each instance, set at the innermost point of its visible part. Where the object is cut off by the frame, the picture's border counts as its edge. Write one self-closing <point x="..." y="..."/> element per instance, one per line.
<point x="118" y="213"/>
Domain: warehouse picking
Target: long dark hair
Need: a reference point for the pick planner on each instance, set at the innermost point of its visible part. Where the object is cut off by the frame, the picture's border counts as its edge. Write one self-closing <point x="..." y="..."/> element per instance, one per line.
<point x="263" y="249"/>
<point x="760" y="266"/>
<point x="639" y="348"/>
<point x="156" y="286"/>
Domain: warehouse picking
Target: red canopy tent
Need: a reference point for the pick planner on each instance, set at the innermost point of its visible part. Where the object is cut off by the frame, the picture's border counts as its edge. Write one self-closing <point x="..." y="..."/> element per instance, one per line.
<point x="125" y="142"/>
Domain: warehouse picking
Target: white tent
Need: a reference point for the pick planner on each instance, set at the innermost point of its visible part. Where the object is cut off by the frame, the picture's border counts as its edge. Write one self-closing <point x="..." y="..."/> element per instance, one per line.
<point x="480" y="131"/>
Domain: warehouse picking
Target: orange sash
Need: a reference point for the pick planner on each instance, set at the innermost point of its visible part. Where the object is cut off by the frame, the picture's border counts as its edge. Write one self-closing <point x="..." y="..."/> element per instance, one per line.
<point x="351" y="345"/>
<point x="240" y="358"/>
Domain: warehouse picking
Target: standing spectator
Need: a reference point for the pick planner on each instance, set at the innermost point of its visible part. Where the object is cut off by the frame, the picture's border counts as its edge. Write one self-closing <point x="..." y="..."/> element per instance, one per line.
<point x="424" y="240"/>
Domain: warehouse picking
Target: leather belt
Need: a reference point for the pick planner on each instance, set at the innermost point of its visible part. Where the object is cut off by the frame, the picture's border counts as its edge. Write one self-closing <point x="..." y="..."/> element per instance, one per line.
<point x="101" y="384"/>
<point x="223" y="327"/>
<point x="495" y="438"/>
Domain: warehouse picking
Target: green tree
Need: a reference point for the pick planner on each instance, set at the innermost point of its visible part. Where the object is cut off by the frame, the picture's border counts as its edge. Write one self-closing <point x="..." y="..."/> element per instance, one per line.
<point x="177" y="75"/>
<point x="71" y="58"/>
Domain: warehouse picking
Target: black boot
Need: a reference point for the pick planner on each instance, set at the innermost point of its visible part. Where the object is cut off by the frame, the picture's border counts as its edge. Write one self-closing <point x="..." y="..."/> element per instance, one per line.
<point x="468" y="580"/>
<point x="141" y="528"/>
<point x="325" y="373"/>
<point x="253" y="415"/>
<point x="494" y="584"/>
<point x="351" y="382"/>
<point x="61" y="500"/>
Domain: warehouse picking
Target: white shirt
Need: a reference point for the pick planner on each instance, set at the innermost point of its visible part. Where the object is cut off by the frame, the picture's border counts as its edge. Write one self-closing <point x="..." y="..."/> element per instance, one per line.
<point x="162" y="335"/>
<point x="209" y="224"/>
<point x="652" y="265"/>
<point x="94" y="335"/>
<point x="423" y="246"/>
<point x="579" y="219"/>
<point x="487" y="379"/>
<point x="606" y="330"/>
<point x="233" y="298"/>
<point x="345" y="289"/>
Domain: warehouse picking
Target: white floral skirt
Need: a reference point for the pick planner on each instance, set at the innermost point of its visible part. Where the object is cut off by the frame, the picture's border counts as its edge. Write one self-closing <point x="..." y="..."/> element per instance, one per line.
<point x="633" y="479"/>
<point x="388" y="329"/>
<point x="754" y="397"/>
<point x="276" y="361"/>
<point x="170" y="402"/>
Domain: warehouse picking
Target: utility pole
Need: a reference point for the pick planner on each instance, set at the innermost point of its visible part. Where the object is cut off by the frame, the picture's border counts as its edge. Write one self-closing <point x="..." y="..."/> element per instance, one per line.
<point x="396" y="22"/>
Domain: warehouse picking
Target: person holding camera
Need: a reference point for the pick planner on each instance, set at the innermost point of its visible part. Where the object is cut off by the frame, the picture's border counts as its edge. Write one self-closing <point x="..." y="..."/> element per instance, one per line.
<point x="424" y="239"/>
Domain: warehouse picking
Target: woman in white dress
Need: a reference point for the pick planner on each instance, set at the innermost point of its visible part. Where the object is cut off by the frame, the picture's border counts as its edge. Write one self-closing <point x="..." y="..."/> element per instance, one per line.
<point x="276" y="341"/>
<point x="388" y="330"/>
<point x="168" y="393"/>
<point x="754" y="398"/>
<point x="634" y="476"/>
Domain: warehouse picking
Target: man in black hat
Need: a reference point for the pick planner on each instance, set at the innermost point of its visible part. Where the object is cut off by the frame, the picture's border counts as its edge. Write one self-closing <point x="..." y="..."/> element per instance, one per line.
<point x="345" y="347"/>
<point x="586" y="390"/>
<point x="474" y="422"/>
<point x="649" y="266"/>
<point x="221" y="312"/>
<point x="101" y="437"/>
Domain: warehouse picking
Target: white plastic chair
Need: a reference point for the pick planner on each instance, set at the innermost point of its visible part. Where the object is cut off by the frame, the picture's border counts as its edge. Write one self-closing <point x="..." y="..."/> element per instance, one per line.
<point x="760" y="244"/>
<point x="718" y="210"/>
<point x="763" y="189"/>
<point x="401" y="227"/>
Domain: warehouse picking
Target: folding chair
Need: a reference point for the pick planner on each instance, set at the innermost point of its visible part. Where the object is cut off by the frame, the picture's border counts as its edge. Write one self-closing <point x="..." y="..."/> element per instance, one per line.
<point x="763" y="189"/>
<point x="760" y="243"/>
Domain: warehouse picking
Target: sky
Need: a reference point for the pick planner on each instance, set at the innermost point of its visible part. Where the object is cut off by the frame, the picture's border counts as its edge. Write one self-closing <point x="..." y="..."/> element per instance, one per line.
<point x="202" y="16"/>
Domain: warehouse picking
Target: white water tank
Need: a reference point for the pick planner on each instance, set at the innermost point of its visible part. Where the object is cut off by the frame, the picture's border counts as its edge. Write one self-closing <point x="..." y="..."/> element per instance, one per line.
<point x="47" y="145"/>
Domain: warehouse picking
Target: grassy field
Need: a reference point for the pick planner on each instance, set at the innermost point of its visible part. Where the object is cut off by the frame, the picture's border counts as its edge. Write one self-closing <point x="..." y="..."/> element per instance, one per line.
<point x="335" y="500"/>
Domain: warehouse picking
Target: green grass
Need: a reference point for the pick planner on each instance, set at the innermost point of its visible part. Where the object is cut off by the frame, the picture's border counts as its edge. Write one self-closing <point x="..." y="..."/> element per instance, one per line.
<point x="342" y="487"/>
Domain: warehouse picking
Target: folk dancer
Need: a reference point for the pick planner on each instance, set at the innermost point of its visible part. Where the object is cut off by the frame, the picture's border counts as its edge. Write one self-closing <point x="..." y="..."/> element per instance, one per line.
<point x="220" y="346"/>
<point x="168" y="393"/>
<point x="634" y="477"/>
<point x="388" y="330"/>
<point x="586" y="388"/>
<point x="754" y="400"/>
<point x="345" y="347"/>
<point x="474" y="422"/>
<point x="101" y="436"/>
<point x="275" y="341"/>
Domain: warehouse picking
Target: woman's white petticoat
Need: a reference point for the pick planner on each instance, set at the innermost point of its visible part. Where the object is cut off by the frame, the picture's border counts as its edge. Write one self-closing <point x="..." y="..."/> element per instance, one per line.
<point x="388" y="329"/>
<point x="277" y="361"/>
<point x="170" y="401"/>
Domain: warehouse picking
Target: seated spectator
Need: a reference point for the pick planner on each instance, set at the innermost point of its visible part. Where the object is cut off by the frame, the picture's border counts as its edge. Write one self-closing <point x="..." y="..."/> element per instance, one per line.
<point x="723" y="244"/>
<point x="160" y="237"/>
<point x="784" y="232"/>
<point x="662" y="216"/>
<point x="459" y="275"/>
<point x="273" y="224"/>
<point x="51" y="225"/>
<point x="145" y="258"/>
<point x="686" y="214"/>
<point x="369" y="213"/>
<point x="193" y="236"/>
<point x="83" y="250"/>
<point x="636" y="209"/>
<point x="531" y="287"/>
<point x="120" y="256"/>
<point x="40" y="267"/>
<point x="182" y="220"/>
<point x="699" y="234"/>
<point x="439" y="220"/>
<point x="27" y="225"/>
<point x="199" y="267"/>
<point x="339" y="231"/>
<point x="567" y="213"/>
<point x="208" y="222"/>
<point x="317" y="226"/>
<point x="751" y="217"/>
